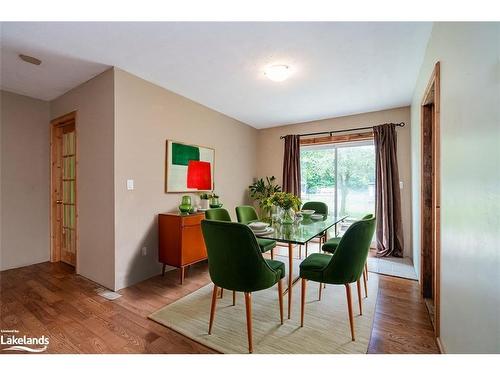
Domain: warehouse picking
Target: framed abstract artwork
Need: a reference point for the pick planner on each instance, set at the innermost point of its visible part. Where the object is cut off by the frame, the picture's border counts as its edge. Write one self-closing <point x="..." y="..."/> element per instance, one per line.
<point x="189" y="168"/>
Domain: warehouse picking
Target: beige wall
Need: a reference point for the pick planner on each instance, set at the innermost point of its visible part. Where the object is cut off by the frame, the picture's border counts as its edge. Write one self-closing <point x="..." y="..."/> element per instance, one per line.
<point x="146" y="116"/>
<point x="25" y="181"/>
<point x="270" y="150"/>
<point x="470" y="181"/>
<point x="94" y="103"/>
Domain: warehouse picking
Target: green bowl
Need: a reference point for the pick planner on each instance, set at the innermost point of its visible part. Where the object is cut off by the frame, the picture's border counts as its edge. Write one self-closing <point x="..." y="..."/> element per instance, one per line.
<point x="216" y="205"/>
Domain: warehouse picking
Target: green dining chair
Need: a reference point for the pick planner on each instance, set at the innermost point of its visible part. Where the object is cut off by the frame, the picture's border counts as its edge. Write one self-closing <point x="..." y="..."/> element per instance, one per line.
<point x="247" y="214"/>
<point x="217" y="214"/>
<point x="331" y="245"/>
<point x="235" y="262"/>
<point x="319" y="208"/>
<point x="345" y="266"/>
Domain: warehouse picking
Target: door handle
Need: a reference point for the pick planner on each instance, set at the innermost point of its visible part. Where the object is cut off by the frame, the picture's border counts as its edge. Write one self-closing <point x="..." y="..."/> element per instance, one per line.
<point x="59" y="201"/>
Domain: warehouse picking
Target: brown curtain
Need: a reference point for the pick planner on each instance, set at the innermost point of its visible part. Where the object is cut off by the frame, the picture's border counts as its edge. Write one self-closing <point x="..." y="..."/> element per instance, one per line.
<point x="291" y="165"/>
<point x="388" y="199"/>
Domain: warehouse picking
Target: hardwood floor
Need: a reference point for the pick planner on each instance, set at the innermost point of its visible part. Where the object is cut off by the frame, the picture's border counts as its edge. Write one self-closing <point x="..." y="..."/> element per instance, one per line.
<point x="49" y="299"/>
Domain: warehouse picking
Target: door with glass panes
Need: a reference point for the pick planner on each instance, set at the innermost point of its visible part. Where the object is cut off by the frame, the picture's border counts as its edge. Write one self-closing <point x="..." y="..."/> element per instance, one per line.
<point x="342" y="175"/>
<point x="64" y="208"/>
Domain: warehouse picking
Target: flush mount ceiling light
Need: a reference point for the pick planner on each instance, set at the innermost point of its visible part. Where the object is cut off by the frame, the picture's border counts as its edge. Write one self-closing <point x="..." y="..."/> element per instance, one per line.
<point x="30" y="59"/>
<point x="278" y="73"/>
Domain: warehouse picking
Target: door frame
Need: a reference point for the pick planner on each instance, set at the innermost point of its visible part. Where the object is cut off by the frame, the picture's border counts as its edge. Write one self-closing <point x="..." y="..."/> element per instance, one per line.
<point x="55" y="251"/>
<point x="430" y="258"/>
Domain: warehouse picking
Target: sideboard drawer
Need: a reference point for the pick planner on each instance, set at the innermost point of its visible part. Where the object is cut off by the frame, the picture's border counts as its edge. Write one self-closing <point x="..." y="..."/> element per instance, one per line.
<point x="190" y="220"/>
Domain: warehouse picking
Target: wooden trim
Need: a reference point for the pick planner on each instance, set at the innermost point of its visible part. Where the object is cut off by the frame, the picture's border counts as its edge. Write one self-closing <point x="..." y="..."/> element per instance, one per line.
<point x="440" y="345"/>
<point x="366" y="136"/>
<point x="432" y="99"/>
<point x="56" y="126"/>
<point x="437" y="196"/>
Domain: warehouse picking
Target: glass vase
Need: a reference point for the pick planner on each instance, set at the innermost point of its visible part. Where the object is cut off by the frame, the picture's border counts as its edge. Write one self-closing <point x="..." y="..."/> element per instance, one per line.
<point x="185" y="206"/>
<point x="287" y="216"/>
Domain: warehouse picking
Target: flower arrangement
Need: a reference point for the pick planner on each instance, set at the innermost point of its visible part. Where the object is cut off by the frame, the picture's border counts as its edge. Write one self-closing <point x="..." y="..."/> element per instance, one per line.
<point x="286" y="201"/>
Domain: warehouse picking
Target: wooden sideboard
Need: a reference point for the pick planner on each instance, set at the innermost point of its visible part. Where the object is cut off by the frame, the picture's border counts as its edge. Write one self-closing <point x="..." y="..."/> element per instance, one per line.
<point x="180" y="239"/>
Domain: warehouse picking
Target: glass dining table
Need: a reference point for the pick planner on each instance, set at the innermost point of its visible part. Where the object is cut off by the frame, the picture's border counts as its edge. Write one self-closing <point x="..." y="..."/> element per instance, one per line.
<point x="299" y="233"/>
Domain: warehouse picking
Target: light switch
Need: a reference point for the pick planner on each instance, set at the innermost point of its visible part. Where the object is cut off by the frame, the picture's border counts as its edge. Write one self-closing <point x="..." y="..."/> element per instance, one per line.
<point x="130" y="184"/>
<point x="401" y="185"/>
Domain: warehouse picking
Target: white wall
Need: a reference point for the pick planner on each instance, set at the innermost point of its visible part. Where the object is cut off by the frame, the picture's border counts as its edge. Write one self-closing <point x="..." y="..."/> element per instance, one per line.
<point x="470" y="182"/>
<point x="146" y="116"/>
<point x="94" y="103"/>
<point x="25" y="180"/>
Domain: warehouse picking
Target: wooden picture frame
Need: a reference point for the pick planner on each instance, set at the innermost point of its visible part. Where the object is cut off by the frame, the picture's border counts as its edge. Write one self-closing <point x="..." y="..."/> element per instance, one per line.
<point x="179" y="158"/>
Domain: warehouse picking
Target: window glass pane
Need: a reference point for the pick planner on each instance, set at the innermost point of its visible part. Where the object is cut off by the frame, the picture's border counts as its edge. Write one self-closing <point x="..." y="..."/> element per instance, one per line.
<point x="356" y="181"/>
<point x="318" y="175"/>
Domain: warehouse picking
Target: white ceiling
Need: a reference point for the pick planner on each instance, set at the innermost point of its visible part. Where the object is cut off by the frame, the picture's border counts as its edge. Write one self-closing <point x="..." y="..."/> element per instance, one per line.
<point x="339" y="68"/>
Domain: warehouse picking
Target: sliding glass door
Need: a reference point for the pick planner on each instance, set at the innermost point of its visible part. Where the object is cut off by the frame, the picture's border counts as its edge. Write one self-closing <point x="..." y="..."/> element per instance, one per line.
<point x="341" y="175"/>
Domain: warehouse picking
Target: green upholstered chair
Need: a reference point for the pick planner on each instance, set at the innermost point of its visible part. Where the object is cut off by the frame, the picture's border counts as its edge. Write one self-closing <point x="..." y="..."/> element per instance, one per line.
<point x="235" y="262"/>
<point x="331" y="245"/>
<point x="217" y="214"/>
<point x="247" y="214"/>
<point x="319" y="208"/>
<point x="345" y="266"/>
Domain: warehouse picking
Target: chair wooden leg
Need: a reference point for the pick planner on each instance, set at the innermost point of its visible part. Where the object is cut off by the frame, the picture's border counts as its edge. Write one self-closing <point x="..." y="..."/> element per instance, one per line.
<point x="306" y="248"/>
<point x="358" y="283"/>
<point x="272" y="253"/>
<point x="212" y="309"/>
<point x="365" y="277"/>
<point x="302" y="301"/>
<point x="221" y="292"/>
<point x="366" y="269"/>
<point x="234" y="298"/>
<point x="349" y="308"/>
<point x="300" y="251"/>
<point x="248" y="306"/>
<point x="320" y="290"/>
<point x="280" y="298"/>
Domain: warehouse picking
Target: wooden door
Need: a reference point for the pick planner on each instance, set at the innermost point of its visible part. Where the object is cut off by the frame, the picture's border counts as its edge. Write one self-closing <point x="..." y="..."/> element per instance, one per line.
<point x="64" y="202"/>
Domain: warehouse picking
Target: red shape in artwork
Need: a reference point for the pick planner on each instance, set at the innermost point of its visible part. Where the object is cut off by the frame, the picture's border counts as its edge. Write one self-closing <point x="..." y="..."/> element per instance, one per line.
<point x="199" y="175"/>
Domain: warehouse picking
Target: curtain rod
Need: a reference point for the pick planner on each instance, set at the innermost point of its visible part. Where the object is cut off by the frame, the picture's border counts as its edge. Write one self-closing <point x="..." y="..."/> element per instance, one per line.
<point x="401" y="124"/>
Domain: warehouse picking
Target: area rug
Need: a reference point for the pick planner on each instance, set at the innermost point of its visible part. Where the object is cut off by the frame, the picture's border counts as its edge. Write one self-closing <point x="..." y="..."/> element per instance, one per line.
<point x="326" y="324"/>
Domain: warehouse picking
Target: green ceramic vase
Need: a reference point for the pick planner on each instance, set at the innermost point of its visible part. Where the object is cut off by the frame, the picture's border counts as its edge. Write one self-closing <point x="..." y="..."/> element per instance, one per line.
<point x="185" y="206"/>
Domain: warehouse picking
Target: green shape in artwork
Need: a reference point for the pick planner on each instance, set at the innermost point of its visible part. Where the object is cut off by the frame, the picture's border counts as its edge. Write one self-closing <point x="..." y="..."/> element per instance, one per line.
<point x="182" y="154"/>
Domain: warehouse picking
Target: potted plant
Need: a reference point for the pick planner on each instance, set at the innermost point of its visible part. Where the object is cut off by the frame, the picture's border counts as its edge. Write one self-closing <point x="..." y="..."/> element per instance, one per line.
<point x="204" y="201"/>
<point x="214" y="201"/>
<point x="287" y="204"/>
<point x="260" y="191"/>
